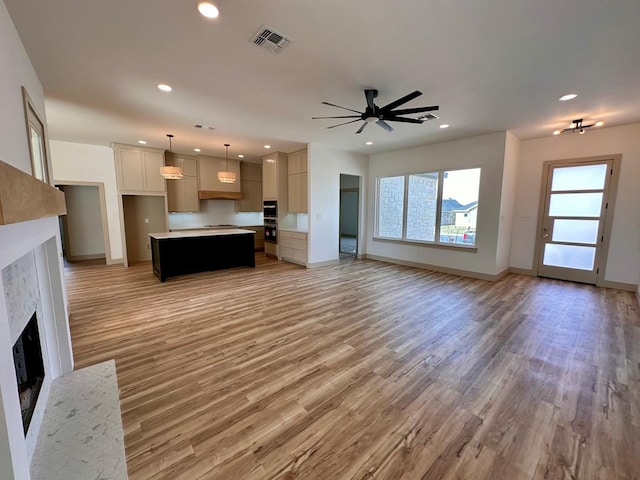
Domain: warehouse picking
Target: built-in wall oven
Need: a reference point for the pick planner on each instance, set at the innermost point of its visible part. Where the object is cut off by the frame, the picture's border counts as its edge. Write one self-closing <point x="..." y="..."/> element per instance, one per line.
<point x="270" y="213"/>
<point x="270" y="209"/>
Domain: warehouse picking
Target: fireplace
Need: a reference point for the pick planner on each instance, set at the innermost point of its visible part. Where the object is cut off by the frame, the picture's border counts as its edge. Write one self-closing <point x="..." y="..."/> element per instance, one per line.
<point x="27" y="358"/>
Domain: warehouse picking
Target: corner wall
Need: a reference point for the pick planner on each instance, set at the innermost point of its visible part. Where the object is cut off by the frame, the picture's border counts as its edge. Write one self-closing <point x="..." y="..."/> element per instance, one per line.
<point x="79" y="162"/>
<point x="507" y="201"/>
<point x="325" y="166"/>
<point x="623" y="262"/>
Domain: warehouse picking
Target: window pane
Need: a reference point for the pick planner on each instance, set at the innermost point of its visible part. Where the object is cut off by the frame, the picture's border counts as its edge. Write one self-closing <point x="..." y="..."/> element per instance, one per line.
<point x="391" y="207"/>
<point x="585" y="177"/>
<point x="38" y="159"/>
<point x="575" y="231"/>
<point x="569" y="256"/>
<point x="575" y="204"/>
<point x="460" y="189"/>
<point x="422" y="203"/>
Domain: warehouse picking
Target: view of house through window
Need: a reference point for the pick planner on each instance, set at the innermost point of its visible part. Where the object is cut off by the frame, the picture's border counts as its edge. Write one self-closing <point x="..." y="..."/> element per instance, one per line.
<point x="438" y="207"/>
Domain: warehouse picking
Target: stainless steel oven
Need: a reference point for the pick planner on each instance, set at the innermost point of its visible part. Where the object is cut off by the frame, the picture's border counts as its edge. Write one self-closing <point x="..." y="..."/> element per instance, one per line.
<point x="270" y="209"/>
<point x="271" y="230"/>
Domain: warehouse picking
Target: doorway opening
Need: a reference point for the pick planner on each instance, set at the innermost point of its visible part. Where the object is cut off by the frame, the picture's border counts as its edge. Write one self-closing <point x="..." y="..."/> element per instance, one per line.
<point x="83" y="230"/>
<point x="577" y="204"/>
<point x="349" y="208"/>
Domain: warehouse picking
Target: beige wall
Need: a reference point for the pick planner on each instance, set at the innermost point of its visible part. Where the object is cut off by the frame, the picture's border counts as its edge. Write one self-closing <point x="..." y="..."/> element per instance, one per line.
<point x="78" y="162"/>
<point x="325" y="166"/>
<point x="487" y="152"/>
<point x="138" y="208"/>
<point x="623" y="262"/>
<point x="85" y="237"/>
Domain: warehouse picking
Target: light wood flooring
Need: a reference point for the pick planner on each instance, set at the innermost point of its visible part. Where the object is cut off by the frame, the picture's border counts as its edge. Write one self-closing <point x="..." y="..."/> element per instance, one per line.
<point x="364" y="371"/>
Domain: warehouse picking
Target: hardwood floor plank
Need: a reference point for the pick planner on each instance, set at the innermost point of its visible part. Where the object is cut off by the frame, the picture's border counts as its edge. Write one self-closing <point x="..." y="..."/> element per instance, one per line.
<point x="364" y="371"/>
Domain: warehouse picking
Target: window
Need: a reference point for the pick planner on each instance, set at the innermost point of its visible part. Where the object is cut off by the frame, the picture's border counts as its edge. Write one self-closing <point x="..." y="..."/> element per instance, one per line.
<point x="435" y="207"/>
<point x="37" y="140"/>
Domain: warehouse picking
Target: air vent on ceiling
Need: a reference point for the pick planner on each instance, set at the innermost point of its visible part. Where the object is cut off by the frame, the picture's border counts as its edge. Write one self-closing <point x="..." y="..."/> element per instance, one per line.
<point x="270" y="40"/>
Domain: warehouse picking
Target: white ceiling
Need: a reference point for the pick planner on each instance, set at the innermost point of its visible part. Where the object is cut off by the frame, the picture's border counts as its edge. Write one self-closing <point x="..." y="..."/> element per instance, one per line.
<point x="490" y="65"/>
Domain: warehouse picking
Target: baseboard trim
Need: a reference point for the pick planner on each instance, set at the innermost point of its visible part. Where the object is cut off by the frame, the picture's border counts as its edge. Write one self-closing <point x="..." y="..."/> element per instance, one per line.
<point x="79" y="258"/>
<point x="328" y="263"/>
<point x="437" y="268"/>
<point x="629" y="287"/>
<point x="523" y="271"/>
<point x="115" y="261"/>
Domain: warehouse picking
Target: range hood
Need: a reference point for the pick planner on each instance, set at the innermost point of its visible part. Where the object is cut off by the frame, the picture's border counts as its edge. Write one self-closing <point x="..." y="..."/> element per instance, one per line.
<point x="217" y="195"/>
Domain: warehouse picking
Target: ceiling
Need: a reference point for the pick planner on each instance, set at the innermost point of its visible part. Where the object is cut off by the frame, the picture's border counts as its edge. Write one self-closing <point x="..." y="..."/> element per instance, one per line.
<point x="491" y="65"/>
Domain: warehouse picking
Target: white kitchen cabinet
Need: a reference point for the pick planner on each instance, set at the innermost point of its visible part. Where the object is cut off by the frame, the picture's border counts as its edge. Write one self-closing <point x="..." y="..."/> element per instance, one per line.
<point x="293" y="246"/>
<point x="250" y="187"/>
<point x="138" y="169"/>
<point x="182" y="194"/>
<point x="298" y="182"/>
<point x="208" y="168"/>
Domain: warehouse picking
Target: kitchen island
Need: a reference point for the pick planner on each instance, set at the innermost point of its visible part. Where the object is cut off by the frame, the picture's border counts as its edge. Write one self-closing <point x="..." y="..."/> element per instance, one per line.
<point x="180" y="253"/>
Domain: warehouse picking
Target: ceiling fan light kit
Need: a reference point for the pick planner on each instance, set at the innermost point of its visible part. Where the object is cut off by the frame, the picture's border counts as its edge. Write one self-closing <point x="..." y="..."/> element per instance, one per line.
<point x="382" y="115"/>
<point x="577" y="126"/>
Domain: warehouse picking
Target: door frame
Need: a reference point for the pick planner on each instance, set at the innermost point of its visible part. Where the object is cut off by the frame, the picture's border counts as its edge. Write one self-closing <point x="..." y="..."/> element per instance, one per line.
<point x="103" y="212"/>
<point x="601" y="259"/>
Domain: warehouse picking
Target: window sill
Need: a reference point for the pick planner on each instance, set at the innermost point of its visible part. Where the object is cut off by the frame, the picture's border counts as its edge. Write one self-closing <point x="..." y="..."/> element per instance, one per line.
<point x="446" y="246"/>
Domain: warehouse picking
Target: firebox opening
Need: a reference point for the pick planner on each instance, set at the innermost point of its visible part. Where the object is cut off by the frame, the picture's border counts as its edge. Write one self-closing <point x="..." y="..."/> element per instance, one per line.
<point x="27" y="357"/>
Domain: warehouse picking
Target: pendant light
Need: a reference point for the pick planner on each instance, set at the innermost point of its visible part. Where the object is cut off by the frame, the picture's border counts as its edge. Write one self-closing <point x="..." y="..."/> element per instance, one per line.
<point x="170" y="172"/>
<point x="227" y="176"/>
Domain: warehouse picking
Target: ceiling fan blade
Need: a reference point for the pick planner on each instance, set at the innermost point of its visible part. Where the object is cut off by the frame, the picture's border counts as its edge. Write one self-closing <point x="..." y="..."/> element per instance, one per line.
<point x="344" y="108"/>
<point x="402" y="119"/>
<point x="370" y="95"/>
<point x="385" y="125"/>
<point x="401" y="101"/>
<point x="364" y="125"/>
<point x="407" y="111"/>
<point x="342" y="116"/>
<point x="345" y="123"/>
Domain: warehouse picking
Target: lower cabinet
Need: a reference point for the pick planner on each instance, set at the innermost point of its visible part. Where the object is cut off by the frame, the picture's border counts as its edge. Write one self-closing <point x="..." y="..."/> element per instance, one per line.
<point x="293" y="246"/>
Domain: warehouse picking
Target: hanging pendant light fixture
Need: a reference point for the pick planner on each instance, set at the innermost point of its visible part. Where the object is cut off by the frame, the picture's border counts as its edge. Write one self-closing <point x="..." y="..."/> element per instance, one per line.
<point x="170" y="172"/>
<point x="227" y="176"/>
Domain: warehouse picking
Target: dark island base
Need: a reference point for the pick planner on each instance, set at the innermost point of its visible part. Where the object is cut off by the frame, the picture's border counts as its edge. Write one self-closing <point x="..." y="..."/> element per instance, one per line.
<point x="180" y="256"/>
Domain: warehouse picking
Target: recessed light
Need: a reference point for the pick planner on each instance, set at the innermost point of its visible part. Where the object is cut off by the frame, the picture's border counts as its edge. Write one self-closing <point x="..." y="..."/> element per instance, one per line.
<point x="197" y="150"/>
<point x="164" y="87"/>
<point x="444" y="125"/>
<point x="240" y="156"/>
<point x="368" y="143"/>
<point x="568" y="96"/>
<point x="208" y="9"/>
<point x="142" y="142"/>
<point x="267" y="147"/>
<point x="599" y="124"/>
<point x="556" y="132"/>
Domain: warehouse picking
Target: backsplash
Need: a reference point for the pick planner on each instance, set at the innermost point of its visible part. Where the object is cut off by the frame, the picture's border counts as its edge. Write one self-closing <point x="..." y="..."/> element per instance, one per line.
<point x="214" y="212"/>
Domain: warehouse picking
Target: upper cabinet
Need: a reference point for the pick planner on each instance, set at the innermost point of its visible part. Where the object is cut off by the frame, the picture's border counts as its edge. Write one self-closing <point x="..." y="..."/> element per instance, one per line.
<point x="298" y="182"/>
<point x="210" y="186"/>
<point x="138" y="169"/>
<point x="182" y="195"/>
<point x="251" y="188"/>
<point x="274" y="179"/>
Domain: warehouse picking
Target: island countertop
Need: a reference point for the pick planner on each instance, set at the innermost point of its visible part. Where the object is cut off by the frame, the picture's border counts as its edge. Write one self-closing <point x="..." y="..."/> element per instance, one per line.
<point x="200" y="233"/>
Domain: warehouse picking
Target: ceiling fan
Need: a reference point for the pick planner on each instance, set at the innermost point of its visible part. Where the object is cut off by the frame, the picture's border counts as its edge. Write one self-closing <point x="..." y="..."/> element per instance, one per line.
<point x="577" y="126"/>
<point x="382" y="115"/>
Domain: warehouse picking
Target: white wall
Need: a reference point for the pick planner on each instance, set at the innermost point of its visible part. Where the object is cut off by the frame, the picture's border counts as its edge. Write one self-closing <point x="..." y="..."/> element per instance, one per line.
<point x="18" y="239"/>
<point x="623" y="262"/>
<point x="507" y="201"/>
<point x="325" y="166"/>
<point x="485" y="151"/>
<point x="84" y="222"/>
<point x="78" y="162"/>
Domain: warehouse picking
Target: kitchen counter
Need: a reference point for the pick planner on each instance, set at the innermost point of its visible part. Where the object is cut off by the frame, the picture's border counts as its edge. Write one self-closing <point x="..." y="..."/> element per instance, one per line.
<point x="193" y="251"/>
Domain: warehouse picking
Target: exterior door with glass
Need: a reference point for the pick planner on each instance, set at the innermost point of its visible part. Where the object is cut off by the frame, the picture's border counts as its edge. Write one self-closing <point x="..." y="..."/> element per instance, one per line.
<point x="573" y="225"/>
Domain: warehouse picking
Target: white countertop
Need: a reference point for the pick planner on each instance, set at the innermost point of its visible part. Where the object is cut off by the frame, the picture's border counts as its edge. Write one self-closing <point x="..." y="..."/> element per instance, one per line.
<point x="200" y="233"/>
<point x="295" y="230"/>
